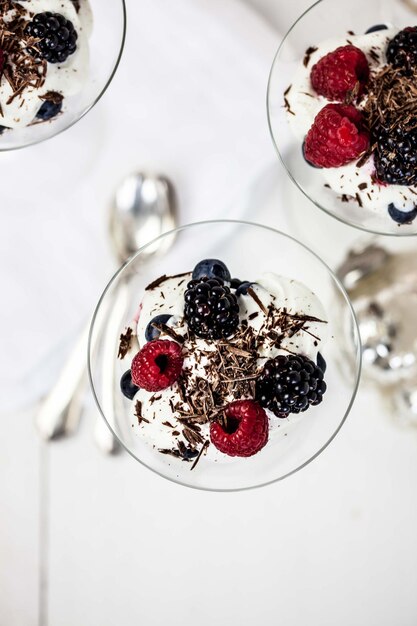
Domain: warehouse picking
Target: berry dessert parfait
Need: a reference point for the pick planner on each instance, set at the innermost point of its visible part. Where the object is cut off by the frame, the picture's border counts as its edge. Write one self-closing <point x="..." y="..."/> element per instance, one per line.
<point x="222" y="382"/>
<point x="349" y="110"/>
<point x="48" y="67"/>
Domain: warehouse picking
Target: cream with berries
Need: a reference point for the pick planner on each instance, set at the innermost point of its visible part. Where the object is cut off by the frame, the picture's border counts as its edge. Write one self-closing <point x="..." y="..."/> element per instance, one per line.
<point x="44" y="58"/>
<point x="216" y="363"/>
<point x="353" y="104"/>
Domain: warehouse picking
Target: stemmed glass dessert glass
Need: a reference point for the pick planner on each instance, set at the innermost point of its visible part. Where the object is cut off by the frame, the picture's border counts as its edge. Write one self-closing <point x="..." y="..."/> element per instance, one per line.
<point x="328" y="20"/>
<point x="248" y="250"/>
<point x="105" y="44"/>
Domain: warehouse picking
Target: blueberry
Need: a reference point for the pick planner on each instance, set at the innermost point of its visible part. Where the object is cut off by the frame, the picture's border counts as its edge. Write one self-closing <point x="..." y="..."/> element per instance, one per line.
<point x="374" y="29"/>
<point x="401" y="217"/>
<point x="211" y="268"/>
<point x="317" y="167"/>
<point x="321" y="363"/>
<point x="151" y="332"/>
<point x="49" y="110"/>
<point x="128" y="388"/>
<point x="235" y="282"/>
<point x="242" y="290"/>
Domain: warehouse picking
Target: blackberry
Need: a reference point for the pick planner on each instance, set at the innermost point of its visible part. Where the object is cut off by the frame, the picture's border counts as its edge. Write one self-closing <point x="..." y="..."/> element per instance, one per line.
<point x="396" y="155"/>
<point x="402" y="50"/>
<point x="49" y="110"/>
<point x="290" y="384"/>
<point x="57" y="37"/>
<point x="211" y="309"/>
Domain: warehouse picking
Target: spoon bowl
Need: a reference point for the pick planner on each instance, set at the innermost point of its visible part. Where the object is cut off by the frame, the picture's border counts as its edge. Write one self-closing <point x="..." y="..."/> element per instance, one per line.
<point x="144" y="206"/>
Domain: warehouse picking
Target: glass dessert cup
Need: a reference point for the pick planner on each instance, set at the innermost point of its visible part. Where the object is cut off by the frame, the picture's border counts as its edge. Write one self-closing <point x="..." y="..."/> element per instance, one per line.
<point x="109" y="26"/>
<point x="248" y="250"/>
<point x="328" y="19"/>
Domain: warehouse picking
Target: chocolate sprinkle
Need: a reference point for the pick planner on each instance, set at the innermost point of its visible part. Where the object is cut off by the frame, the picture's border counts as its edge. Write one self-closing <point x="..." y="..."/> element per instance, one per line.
<point x="52" y="96"/>
<point x="391" y="102"/>
<point x="21" y="68"/>
<point x="288" y="107"/>
<point x="124" y="343"/>
<point x="162" y="279"/>
<point x="167" y="330"/>
<point x="138" y="413"/>
<point x="308" y="54"/>
<point x="254" y="296"/>
<point x="202" y="451"/>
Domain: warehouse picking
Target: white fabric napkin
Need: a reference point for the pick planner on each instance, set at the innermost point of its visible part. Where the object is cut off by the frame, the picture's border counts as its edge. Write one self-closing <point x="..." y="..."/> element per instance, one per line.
<point x="188" y="100"/>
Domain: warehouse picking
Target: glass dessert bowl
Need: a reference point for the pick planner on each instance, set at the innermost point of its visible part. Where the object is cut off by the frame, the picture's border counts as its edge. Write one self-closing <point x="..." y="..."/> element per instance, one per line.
<point x="217" y="382"/>
<point x="57" y="58"/>
<point x="349" y="68"/>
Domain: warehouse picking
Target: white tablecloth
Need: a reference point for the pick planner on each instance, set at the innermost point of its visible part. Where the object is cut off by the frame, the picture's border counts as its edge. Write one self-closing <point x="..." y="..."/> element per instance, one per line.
<point x="90" y="539"/>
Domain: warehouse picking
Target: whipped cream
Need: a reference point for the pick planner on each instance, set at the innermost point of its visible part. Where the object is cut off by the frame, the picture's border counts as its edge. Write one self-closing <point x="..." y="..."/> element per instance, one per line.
<point x="348" y="180"/>
<point x="288" y="300"/>
<point x="66" y="78"/>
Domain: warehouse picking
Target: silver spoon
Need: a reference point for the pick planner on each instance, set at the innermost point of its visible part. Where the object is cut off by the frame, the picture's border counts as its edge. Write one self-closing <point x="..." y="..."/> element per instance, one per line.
<point x="144" y="207"/>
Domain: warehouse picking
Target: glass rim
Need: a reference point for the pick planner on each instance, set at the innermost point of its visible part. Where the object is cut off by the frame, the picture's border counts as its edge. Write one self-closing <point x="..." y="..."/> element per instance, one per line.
<point x="337" y="281"/>
<point x="92" y="104"/>
<point x="281" y="158"/>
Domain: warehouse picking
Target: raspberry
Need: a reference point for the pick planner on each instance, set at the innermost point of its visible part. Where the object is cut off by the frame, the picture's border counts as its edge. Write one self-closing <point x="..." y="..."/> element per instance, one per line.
<point x="157" y="365"/>
<point x="337" y="136"/>
<point x="290" y="384"/>
<point x="244" y="430"/>
<point x="402" y="50"/>
<point x="339" y="72"/>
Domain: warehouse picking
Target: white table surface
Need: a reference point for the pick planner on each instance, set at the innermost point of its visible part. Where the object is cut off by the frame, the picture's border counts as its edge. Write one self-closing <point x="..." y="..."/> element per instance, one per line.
<point x="88" y="540"/>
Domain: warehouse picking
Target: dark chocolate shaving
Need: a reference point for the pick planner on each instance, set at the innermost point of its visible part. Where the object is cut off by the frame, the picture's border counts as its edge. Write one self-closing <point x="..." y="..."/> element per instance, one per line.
<point x="138" y="413"/>
<point x="391" y="102"/>
<point x="254" y="296"/>
<point x="125" y="343"/>
<point x="202" y="451"/>
<point x="21" y="69"/>
<point x="288" y="106"/>
<point x="52" y="96"/>
<point x="308" y="54"/>
<point x="167" y="330"/>
<point x="162" y="279"/>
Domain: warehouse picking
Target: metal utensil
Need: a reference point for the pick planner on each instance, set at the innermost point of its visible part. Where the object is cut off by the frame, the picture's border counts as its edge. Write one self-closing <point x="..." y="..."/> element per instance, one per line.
<point x="144" y="207"/>
<point x="382" y="286"/>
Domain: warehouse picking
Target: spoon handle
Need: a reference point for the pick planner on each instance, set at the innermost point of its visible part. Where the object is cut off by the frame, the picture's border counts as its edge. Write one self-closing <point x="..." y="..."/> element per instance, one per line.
<point x="60" y="411"/>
